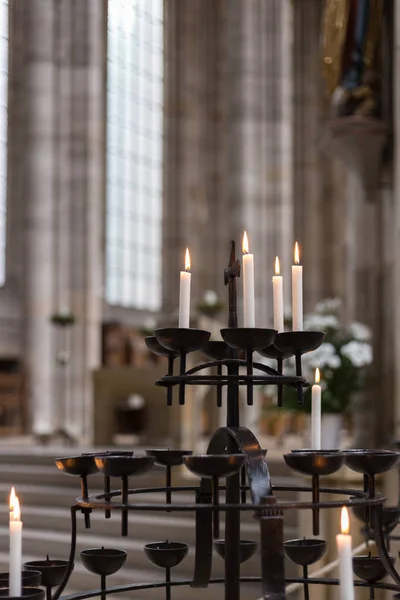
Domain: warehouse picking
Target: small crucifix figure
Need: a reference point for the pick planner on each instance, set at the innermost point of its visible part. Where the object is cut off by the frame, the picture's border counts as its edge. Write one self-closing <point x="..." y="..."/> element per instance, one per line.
<point x="230" y="275"/>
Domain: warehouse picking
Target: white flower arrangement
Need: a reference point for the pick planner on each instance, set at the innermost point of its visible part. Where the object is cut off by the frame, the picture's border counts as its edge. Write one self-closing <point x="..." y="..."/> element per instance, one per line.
<point x="342" y="357"/>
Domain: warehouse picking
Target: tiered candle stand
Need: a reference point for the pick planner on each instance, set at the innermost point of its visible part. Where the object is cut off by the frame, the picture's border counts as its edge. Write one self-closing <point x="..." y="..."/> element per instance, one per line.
<point x="233" y="478"/>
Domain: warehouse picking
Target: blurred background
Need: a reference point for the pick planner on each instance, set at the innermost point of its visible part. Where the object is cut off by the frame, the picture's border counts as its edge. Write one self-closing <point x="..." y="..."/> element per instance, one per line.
<point x="131" y="129"/>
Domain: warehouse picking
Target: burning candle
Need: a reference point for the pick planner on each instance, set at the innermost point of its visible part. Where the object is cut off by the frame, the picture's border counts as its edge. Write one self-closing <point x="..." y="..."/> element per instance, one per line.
<point x="15" y="546"/>
<point x="184" y="293"/>
<point x="277" y="286"/>
<point x="297" y="291"/>
<point x="316" y="413"/>
<point x="248" y="284"/>
<point x="343" y="542"/>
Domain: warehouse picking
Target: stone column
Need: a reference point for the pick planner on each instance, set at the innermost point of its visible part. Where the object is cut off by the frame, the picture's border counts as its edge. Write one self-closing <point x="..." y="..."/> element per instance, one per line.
<point x="84" y="193"/>
<point x="96" y="201"/>
<point x="258" y="169"/>
<point x="39" y="165"/>
<point x="228" y="143"/>
<point x="59" y="46"/>
<point x="193" y="118"/>
<point x="318" y="181"/>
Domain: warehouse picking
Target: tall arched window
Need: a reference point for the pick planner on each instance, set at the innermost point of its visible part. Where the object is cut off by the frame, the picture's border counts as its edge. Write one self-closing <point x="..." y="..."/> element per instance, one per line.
<point x="134" y="153"/>
<point x="3" y="131"/>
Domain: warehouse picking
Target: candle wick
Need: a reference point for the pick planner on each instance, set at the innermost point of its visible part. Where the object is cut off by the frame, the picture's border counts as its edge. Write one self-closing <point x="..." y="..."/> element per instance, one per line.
<point x="47" y="558"/>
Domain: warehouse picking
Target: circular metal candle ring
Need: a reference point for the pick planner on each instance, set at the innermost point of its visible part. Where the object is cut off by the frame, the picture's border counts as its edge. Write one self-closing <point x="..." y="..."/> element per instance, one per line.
<point x="359" y="499"/>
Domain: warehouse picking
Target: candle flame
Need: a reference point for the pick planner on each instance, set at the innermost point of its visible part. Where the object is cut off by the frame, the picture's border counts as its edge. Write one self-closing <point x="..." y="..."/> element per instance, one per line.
<point x="277" y="266"/>
<point x="296" y="254"/>
<point x="187" y="260"/>
<point x="245" y="244"/>
<point x="15" y="512"/>
<point x="317" y="375"/>
<point x="12" y="498"/>
<point x="344" y="521"/>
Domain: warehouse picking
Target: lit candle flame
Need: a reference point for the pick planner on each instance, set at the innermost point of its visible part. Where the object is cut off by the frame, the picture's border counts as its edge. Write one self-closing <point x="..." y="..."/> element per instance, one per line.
<point x="296" y="254"/>
<point x="245" y="244"/>
<point x="15" y="512"/>
<point x="187" y="260"/>
<point x="344" y="521"/>
<point x="12" y="498"/>
<point x="277" y="266"/>
<point x="317" y="375"/>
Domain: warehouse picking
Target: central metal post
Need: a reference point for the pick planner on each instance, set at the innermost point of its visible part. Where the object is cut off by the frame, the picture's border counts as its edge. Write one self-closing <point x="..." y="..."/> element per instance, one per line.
<point x="272" y="551"/>
<point x="232" y="518"/>
<point x="230" y="276"/>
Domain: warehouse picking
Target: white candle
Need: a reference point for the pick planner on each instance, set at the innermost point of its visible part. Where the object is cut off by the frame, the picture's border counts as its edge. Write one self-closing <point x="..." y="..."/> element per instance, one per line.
<point x="248" y="284"/>
<point x="277" y="287"/>
<point x="15" y="546"/>
<point x="297" y="292"/>
<point x="184" y="293"/>
<point x="316" y="413"/>
<point x="343" y="543"/>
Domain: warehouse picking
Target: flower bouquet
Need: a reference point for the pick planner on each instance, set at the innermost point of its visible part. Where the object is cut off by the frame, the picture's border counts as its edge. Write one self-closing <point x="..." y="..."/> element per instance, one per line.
<point x="342" y="359"/>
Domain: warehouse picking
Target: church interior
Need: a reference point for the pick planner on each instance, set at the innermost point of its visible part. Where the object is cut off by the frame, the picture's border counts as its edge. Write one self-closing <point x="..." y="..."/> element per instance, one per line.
<point x="133" y="130"/>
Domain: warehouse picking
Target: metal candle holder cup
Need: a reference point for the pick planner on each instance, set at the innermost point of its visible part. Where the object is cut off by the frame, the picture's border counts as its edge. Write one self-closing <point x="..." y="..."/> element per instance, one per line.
<point x="107" y="481"/>
<point x="370" y="463"/>
<point x="305" y="552"/>
<point x="370" y="568"/>
<point x="79" y="466"/>
<point x="155" y="347"/>
<point x="315" y="463"/>
<point x="182" y="341"/>
<point x="52" y="572"/>
<point x="298" y="343"/>
<point x="250" y="340"/>
<point x="247" y="549"/>
<point x="103" y="562"/>
<point x="214" y="466"/>
<point x="168" y="458"/>
<point x="123" y="467"/>
<point x="166" y="555"/>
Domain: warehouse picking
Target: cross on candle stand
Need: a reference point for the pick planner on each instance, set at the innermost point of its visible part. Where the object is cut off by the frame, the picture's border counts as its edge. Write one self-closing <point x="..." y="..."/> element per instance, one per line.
<point x="230" y="276"/>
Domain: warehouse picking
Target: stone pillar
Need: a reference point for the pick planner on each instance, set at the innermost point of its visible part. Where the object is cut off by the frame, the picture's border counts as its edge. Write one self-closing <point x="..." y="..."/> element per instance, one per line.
<point x="318" y="182"/>
<point x="192" y="124"/>
<point x="228" y="143"/>
<point x="87" y="202"/>
<point x="258" y="169"/>
<point x="61" y="91"/>
<point x="39" y="166"/>
<point x="364" y="230"/>
<point x="96" y="201"/>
